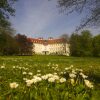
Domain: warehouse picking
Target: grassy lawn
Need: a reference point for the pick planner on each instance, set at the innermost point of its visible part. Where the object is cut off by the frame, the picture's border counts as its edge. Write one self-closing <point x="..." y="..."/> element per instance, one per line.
<point x="13" y="69"/>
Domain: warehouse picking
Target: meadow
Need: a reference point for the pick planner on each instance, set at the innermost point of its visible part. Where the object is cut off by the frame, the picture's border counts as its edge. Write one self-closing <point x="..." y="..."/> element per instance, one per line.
<point x="41" y="77"/>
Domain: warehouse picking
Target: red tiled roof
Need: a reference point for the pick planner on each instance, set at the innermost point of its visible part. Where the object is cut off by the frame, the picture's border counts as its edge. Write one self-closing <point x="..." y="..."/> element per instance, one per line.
<point x="48" y="41"/>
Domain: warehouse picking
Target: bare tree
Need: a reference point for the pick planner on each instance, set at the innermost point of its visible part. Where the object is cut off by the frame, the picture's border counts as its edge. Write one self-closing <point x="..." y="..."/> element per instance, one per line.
<point x="90" y="7"/>
<point x="65" y="37"/>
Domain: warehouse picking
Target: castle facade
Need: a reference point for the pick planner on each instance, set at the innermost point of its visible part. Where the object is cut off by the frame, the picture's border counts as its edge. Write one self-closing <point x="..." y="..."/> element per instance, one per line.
<point x="50" y="46"/>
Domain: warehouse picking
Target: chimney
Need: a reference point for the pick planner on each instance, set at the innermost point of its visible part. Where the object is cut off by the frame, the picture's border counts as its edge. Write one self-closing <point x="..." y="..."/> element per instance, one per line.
<point x="50" y="38"/>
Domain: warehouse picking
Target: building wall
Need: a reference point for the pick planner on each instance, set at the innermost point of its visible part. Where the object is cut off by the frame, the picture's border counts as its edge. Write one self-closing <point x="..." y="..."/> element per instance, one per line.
<point x="55" y="48"/>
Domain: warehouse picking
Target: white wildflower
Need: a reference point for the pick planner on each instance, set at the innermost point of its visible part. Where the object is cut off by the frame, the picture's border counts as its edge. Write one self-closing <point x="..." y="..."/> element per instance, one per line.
<point x="72" y="81"/>
<point x="38" y="74"/>
<point x="44" y="77"/>
<point x="71" y="75"/>
<point x="49" y="75"/>
<point x="56" y="77"/>
<point x="84" y="76"/>
<point x="25" y="68"/>
<point x="29" y="82"/>
<point x="38" y="71"/>
<point x="67" y="68"/>
<point x="61" y="72"/>
<point x="14" y="66"/>
<point x="71" y="66"/>
<point x="74" y="72"/>
<point x="2" y="66"/>
<point x="56" y="65"/>
<point x="55" y="73"/>
<point x="30" y="73"/>
<point x="24" y="73"/>
<point x="24" y="79"/>
<point x="88" y="83"/>
<point x="38" y="79"/>
<point x="62" y="80"/>
<point x="51" y="79"/>
<point x="20" y="67"/>
<point x="64" y="72"/>
<point x="13" y="85"/>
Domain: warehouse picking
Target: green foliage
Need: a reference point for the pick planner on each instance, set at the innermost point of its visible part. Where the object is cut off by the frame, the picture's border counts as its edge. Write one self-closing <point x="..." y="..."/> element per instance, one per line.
<point x="86" y="43"/>
<point x="6" y="9"/>
<point x="81" y="44"/>
<point x="25" y="46"/>
<point x="8" y="45"/>
<point x="96" y="45"/>
<point x="75" y="45"/>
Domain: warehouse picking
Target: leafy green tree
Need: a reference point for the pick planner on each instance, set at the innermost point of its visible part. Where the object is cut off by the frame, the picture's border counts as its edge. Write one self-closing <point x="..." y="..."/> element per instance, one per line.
<point x="8" y="45"/>
<point x="81" y="44"/>
<point x="96" y="45"/>
<point x="86" y="43"/>
<point x="75" y="45"/>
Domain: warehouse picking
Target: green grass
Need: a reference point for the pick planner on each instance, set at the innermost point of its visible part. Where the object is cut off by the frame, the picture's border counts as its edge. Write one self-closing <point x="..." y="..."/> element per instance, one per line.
<point x="86" y="63"/>
<point x="90" y="66"/>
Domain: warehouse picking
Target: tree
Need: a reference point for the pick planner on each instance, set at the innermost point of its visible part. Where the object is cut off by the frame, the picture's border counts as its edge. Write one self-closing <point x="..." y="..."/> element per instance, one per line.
<point x="81" y="44"/>
<point x="86" y="46"/>
<point x="75" y="45"/>
<point x="25" y="46"/>
<point x="65" y="37"/>
<point x="91" y="7"/>
<point x="8" y="45"/>
<point x="6" y="10"/>
<point x="96" y="45"/>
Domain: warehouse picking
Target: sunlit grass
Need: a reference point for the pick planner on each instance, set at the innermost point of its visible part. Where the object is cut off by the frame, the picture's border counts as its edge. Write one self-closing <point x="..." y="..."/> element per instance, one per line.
<point x="49" y="78"/>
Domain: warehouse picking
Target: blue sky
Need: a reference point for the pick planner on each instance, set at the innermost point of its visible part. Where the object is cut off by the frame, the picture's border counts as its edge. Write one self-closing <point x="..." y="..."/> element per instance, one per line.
<point x="41" y="18"/>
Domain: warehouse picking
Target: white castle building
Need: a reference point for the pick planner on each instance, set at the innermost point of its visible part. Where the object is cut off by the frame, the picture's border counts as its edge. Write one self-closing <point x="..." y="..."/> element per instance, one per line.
<point x="50" y="46"/>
